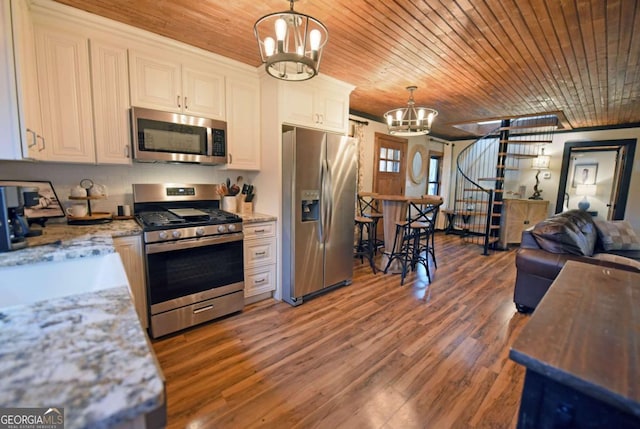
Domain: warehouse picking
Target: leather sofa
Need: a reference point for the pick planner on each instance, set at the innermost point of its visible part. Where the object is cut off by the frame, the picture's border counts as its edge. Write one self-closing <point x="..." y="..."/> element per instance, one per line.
<point x="571" y="235"/>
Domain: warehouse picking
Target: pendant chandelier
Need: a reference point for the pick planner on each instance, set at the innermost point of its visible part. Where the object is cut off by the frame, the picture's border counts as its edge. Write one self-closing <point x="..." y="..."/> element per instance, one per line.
<point x="410" y="120"/>
<point x="290" y="44"/>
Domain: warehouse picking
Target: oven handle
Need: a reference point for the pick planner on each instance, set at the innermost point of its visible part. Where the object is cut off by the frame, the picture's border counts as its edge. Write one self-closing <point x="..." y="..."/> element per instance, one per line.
<point x="190" y="243"/>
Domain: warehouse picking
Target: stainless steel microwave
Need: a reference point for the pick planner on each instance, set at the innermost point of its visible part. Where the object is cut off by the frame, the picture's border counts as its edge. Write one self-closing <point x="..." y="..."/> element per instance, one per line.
<point x="171" y="137"/>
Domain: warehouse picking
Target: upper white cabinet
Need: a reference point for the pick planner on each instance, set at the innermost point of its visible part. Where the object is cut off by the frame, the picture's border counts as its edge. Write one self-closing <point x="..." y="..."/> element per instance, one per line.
<point x="315" y="105"/>
<point x="110" y="85"/>
<point x="64" y="80"/>
<point x="32" y="142"/>
<point x="243" y="123"/>
<point x="174" y="87"/>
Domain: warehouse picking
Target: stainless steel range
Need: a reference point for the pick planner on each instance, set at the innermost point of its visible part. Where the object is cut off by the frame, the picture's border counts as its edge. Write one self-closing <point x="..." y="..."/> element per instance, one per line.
<point x="193" y="251"/>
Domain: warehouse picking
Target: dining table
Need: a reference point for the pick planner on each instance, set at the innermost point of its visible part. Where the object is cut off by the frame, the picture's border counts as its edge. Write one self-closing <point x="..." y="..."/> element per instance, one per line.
<point x="394" y="209"/>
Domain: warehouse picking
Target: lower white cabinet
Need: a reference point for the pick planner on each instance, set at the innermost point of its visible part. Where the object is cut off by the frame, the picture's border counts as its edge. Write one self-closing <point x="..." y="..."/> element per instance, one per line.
<point x="130" y="250"/>
<point x="260" y="258"/>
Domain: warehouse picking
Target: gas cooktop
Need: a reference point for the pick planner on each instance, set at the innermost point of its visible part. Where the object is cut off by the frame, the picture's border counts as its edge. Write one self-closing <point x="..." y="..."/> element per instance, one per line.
<point x="167" y="218"/>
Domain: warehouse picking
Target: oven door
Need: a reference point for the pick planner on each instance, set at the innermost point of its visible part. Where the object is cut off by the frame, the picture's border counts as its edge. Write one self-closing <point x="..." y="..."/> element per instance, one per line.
<point x="183" y="272"/>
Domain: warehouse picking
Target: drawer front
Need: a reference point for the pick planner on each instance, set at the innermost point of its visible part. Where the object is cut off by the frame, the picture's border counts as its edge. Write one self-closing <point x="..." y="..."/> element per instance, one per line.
<point x="259" y="280"/>
<point x="259" y="252"/>
<point x="259" y="230"/>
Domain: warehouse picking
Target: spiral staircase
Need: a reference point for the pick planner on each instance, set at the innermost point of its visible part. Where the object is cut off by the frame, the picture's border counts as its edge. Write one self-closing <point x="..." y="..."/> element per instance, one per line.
<point x="486" y="168"/>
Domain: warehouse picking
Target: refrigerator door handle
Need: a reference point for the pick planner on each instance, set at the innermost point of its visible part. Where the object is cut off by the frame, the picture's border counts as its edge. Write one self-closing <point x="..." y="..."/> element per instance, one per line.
<point x="329" y="201"/>
<point x="322" y="203"/>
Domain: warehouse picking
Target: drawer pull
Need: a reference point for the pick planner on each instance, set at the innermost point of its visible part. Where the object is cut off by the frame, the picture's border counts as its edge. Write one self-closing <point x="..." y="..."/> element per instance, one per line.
<point x="200" y="310"/>
<point x="260" y="253"/>
<point x="262" y="280"/>
<point x="258" y="231"/>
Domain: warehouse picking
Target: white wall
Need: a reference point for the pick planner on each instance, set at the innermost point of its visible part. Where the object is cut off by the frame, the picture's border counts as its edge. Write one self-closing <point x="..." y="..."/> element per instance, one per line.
<point x="118" y="179"/>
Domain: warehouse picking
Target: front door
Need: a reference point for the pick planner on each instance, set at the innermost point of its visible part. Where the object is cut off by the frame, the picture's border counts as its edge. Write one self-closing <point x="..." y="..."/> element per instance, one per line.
<point x="389" y="168"/>
<point x="389" y="165"/>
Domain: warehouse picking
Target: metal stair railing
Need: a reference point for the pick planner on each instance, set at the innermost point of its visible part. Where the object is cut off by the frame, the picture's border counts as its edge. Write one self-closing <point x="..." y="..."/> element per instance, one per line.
<point x="483" y="170"/>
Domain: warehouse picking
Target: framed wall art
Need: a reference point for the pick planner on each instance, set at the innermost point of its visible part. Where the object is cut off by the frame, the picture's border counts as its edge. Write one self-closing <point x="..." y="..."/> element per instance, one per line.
<point x="584" y="174"/>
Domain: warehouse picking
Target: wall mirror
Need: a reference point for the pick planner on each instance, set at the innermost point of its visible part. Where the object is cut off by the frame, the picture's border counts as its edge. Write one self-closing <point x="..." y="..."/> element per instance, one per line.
<point x="417" y="163"/>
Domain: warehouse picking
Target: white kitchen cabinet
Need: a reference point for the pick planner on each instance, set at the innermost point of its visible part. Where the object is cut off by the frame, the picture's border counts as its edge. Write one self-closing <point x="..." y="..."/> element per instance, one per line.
<point x="110" y="85"/>
<point x="130" y="250"/>
<point x="64" y="80"/>
<point x="315" y="106"/>
<point x="174" y="87"/>
<point x="32" y="142"/>
<point x="243" y="123"/>
<point x="260" y="258"/>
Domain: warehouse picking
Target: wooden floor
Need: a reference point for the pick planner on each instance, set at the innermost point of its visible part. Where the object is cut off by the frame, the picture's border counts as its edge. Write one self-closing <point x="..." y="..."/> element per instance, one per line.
<point x="370" y="355"/>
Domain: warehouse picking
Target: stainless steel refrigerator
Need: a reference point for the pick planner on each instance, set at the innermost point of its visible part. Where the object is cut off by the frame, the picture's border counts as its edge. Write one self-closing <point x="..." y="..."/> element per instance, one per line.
<point x="318" y="206"/>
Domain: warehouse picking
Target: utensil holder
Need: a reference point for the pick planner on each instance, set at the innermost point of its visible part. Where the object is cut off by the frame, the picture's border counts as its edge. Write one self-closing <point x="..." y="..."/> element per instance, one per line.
<point x="229" y="203"/>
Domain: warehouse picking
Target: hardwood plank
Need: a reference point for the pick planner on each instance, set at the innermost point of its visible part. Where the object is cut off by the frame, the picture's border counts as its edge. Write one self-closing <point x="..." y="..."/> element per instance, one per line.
<point x="373" y="354"/>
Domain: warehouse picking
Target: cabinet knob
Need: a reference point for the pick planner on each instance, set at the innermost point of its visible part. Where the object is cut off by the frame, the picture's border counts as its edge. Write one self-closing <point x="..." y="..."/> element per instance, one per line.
<point x="35" y="138"/>
<point x="178" y="101"/>
<point x="186" y="106"/>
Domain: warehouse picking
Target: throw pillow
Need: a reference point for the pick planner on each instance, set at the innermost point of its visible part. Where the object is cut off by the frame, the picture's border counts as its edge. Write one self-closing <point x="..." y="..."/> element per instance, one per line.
<point x="618" y="260"/>
<point x="617" y="235"/>
<point x="564" y="233"/>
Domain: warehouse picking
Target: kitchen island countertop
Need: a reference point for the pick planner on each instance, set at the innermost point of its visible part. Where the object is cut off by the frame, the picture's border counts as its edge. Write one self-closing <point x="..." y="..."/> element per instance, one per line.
<point x="84" y="352"/>
<point x="60" y="242"/>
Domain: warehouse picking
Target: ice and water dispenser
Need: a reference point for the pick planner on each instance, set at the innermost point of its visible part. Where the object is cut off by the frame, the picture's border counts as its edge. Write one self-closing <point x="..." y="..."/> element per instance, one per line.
<point x="310" y="205"/>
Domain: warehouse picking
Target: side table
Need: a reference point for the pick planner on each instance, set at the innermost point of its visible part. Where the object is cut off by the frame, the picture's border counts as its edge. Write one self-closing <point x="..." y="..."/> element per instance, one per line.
<point x="581" y="350"/>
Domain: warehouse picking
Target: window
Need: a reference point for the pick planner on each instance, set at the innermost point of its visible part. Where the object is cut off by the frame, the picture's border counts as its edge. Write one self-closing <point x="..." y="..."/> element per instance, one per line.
<point x="389" y="160"/>
<point x="435" y="174"/>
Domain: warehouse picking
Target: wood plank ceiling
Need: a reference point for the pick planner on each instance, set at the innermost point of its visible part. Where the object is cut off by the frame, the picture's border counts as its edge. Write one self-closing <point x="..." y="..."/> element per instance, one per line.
<point x="471" y="59"/>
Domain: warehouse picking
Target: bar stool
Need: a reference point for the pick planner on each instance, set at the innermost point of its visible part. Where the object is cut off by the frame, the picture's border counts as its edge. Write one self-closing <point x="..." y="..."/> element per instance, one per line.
<point x="364" y="248"/>
<point x="414" y="236"/>
<point x="368" y="206"/>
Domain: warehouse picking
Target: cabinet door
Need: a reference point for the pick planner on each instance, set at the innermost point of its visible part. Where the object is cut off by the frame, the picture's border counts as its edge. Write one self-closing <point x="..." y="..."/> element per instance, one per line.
<point x="155" y="84"/>
<point x="243" y="124"/>
<point x="538" y="211"/>
<point x="298" y="105"/>
<point x="24" y="46"/>
<point x="333" y="111"/>
<point x="110" y="83"/>
<point x="516" y="216"/>
<point x="65" y="89"/>
<point x="203" y="93"/>
<point x="130" y="251"/>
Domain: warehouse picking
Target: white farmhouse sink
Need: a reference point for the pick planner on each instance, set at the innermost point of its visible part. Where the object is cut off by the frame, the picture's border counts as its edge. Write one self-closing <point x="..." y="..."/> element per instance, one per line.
<point x="26" y="284"/>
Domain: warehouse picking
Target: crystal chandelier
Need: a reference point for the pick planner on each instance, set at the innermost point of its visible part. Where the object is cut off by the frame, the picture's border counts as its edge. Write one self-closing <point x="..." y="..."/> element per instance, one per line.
<point x="410" y="120"/>
<point x="290" y="44"/>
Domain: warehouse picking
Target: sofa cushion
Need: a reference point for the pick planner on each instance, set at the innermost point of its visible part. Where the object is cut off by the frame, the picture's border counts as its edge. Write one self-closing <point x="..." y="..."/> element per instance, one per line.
<point x="617" y="235"/>
<point x="570" y="232"/>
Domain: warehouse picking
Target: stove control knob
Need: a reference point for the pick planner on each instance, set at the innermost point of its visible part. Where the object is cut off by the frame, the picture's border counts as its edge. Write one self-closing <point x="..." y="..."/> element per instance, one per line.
<point x="222" y="228"/>
<point x="176" y="234"/>
<point x="163" y="235"/>
<point x="232" y="228"/>
<point x="200" y="231"/>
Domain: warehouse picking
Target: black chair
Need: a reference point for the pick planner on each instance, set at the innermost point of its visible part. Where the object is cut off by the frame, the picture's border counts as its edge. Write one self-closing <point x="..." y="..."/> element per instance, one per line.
<point x="368" y="207"/>
<point x="414" y="241"/>
<point x="364" y="248"/>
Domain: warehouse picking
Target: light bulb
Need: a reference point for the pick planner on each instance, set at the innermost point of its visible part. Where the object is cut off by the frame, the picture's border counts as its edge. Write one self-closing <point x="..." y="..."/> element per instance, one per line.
<point x="420" y="114"/>
<point x="430" y="119"/>
<point x="281" y="29"/>
<point x="399" y="116"/>
<point x="269" y="46"/>
<point x="300" y="51"/>
<point x="389" y="120"/>
<point x="315" y="37"/>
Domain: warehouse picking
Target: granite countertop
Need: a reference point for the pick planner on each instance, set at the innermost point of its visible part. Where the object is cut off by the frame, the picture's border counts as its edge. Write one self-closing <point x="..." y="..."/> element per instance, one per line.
<point x="256" y="217"/>
<point x="60" y="242"/>
<point x="85" y="353"/>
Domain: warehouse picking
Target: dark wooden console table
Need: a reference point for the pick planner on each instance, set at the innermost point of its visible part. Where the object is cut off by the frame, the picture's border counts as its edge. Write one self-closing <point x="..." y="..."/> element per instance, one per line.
<point x="581" y="350"/>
